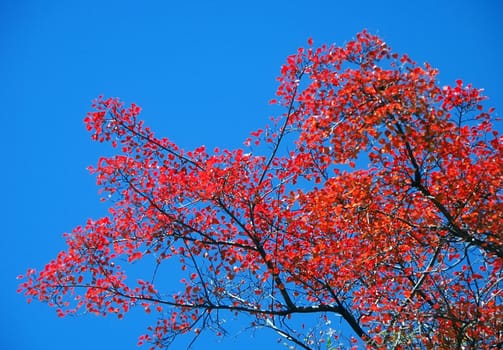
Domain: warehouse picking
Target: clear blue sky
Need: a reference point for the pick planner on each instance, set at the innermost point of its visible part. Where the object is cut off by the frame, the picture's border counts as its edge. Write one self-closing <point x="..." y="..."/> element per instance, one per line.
<point x="203" y="71"/>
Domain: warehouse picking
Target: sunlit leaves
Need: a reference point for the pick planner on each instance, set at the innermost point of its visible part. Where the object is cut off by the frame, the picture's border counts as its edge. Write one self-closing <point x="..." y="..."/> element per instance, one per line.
<point x="378" y="199"/>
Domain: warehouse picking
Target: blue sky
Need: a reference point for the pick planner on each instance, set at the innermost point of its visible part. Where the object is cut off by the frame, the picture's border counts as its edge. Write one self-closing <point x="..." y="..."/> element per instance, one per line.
<point x="203" y="71"/>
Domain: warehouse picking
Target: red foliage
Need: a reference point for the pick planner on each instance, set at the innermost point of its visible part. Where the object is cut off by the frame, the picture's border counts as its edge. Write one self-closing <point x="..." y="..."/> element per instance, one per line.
<point x="380" y="201"/>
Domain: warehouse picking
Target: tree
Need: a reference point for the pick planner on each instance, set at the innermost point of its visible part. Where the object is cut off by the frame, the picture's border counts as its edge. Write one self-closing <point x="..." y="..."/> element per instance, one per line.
<point x="378" y="199"/>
